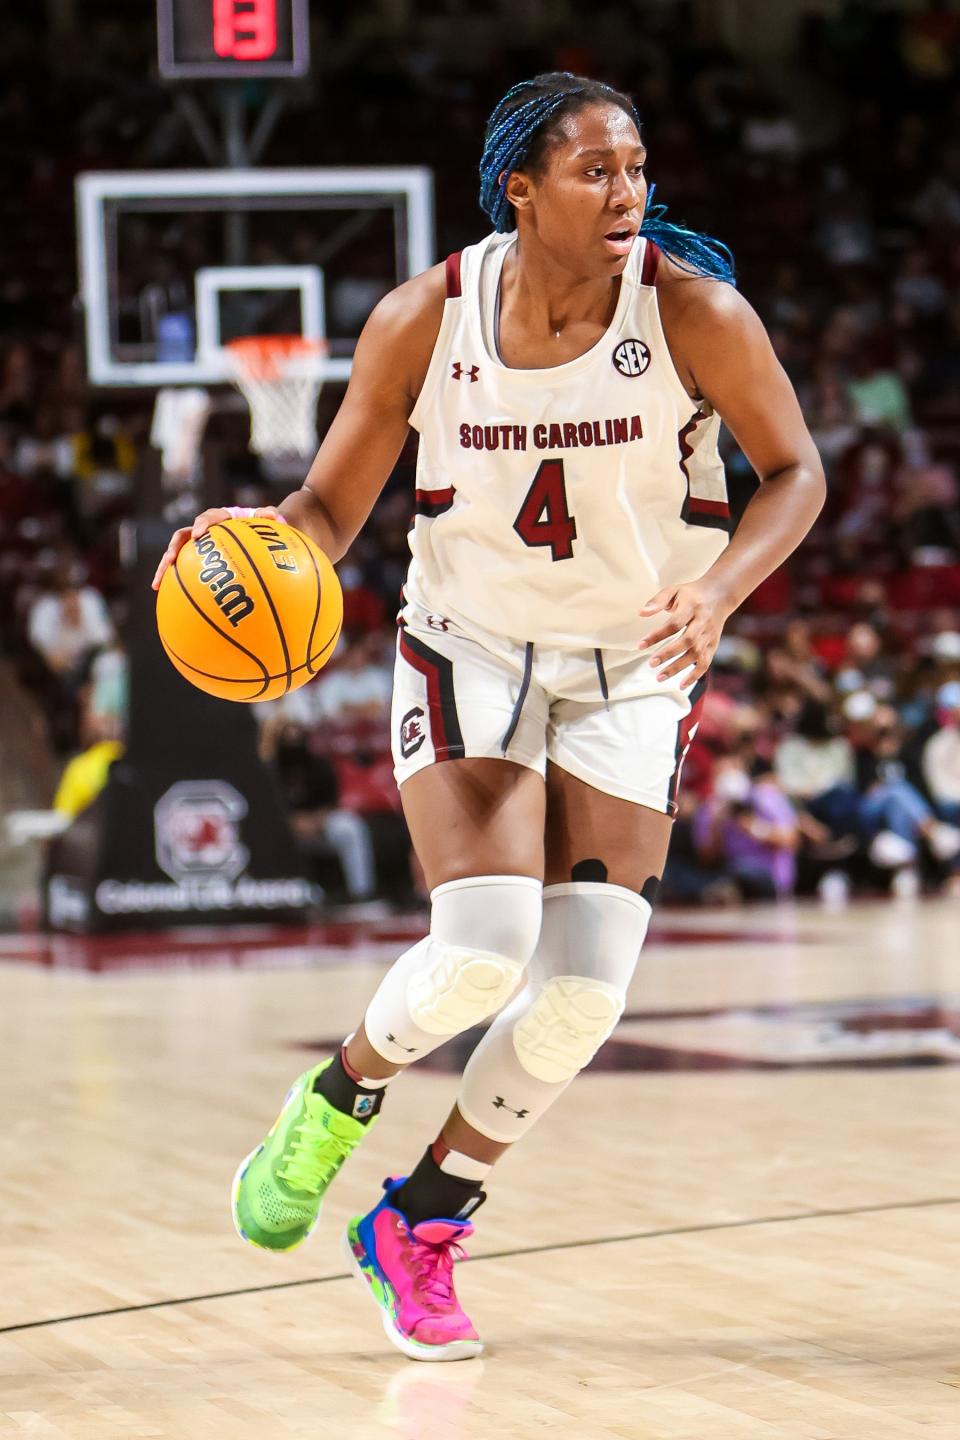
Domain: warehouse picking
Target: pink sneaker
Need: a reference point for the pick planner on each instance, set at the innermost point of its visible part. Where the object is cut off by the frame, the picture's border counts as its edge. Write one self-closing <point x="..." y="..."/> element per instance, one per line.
<point x="410" y="1275"/>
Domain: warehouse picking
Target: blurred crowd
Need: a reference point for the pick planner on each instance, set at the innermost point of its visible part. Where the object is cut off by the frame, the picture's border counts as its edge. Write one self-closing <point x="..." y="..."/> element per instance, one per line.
<point x="829" y="754"/>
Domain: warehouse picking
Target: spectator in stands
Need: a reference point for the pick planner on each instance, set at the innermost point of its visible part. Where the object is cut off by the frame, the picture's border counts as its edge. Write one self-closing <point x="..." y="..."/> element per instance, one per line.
<point x="796" y="663"/>
<point x="311" y="791"/>
<point x="865" y="491"/>
<point x="938" y="203"/>
<point x="945" y="653"/>
<point x="877" y="393"/>
<point x="330" y="742"/>
<point x="45" y="447"/>
<point x="817" y="769"/>
<point x="769" y="133"/>
<point x="781" y="691"/>
<point x="748" y="827"/>
<point x="391" y="524"/>
<point x="363" y="608"/>
<point x="103" y="463"/>
<point x="867" y="664"/>
<point x="830" y="416"/>
<point x="688" y="877"/>
<point x="941" y="755"/>
<point x="846" y="233"/>
<point x="358" y="688"/>
<point x="107" y="695"/>
<point x="68" y="624"/>
<point x="927" y="510"/>
<point x="917" y="285"/>
<point x="890" y="806"/>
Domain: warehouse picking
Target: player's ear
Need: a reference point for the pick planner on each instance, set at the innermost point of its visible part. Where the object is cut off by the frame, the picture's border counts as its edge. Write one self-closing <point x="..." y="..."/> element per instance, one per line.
<point x="518" y="190"/>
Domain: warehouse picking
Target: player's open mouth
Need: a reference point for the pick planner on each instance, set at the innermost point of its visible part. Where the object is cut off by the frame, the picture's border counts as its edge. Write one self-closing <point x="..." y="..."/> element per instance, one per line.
<point x="620" y="242"/>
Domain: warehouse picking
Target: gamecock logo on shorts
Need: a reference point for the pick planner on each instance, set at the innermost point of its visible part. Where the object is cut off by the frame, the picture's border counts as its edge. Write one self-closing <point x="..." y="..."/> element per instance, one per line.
<point x="631" y="357"/>
<point x="197" y="830"/>
<point x="412" y="733"/>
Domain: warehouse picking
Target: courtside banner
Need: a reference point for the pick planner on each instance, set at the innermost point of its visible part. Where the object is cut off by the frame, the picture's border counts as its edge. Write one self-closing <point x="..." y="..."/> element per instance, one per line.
<point x="190" y="828"/>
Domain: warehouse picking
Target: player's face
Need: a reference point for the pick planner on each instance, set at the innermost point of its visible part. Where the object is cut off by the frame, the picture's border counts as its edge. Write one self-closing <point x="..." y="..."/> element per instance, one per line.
<point x="588" y="205"/>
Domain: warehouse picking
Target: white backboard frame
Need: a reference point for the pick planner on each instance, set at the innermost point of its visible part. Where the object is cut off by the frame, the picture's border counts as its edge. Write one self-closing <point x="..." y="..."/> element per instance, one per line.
<point x="411" y="184"/>
<point x="213" y="280"/>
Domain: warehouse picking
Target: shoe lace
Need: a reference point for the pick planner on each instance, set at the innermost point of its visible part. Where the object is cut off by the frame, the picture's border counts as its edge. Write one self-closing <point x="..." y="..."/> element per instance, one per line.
<point x="313" y="1156"/>
<point x="434" y="1264"/>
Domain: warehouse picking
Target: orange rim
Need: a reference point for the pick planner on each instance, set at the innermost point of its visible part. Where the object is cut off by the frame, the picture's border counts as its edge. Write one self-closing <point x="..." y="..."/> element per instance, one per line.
<point x="264" y="357"/>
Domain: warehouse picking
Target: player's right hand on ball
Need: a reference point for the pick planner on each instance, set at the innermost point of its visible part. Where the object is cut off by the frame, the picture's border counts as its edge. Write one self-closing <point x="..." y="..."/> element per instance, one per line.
<point x="200" y="527"/>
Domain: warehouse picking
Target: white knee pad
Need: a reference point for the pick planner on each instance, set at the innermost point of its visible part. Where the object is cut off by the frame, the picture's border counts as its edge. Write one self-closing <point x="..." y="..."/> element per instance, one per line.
<point x="483" y="932"/>
<point x="459" y="986"/>
<point x="591" y="938"/>
<point x="565" y="1026"/>
<point x="589" y="944"/>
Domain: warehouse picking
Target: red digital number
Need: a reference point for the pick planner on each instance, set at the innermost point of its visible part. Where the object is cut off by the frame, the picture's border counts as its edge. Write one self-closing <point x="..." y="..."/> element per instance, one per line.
<point x="247" y="33"/>
<point x="544" y="517"/>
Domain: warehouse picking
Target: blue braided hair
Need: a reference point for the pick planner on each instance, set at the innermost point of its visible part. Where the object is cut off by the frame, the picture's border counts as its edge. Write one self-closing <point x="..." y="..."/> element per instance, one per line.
<point x="518" y="135"/>
<point x="697" y="253"/>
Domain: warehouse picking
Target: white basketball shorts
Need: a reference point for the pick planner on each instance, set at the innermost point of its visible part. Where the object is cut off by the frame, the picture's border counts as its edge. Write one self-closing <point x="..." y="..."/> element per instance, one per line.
<point x="602" y="716"/>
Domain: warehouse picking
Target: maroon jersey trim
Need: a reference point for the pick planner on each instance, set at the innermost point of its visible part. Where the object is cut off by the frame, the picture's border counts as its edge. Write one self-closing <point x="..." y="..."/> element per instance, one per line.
<point x="452" y="267"/>
<point x="651" y="258"/>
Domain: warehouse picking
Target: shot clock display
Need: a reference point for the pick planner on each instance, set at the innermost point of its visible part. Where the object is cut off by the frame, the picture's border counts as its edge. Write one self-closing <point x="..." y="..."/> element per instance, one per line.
<point x="232" y="39"/>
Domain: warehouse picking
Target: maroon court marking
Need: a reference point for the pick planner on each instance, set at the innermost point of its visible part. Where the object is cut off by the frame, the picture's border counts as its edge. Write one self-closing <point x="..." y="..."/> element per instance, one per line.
<point x="244" y="948"/>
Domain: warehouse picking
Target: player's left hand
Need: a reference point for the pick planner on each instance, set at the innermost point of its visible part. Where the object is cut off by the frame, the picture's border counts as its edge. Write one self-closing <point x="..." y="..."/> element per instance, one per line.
<point x="699" y="613"/>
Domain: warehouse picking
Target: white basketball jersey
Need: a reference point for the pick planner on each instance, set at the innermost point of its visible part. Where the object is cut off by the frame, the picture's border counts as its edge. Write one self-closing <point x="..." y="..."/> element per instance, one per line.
<point x="551" y="504"/>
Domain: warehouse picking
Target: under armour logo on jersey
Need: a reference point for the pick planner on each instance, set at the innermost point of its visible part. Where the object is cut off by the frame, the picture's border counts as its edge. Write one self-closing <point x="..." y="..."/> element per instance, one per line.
<point x="472" y="373"/>
<point x="501" y="1104"/>
<point x="631" y="357"/>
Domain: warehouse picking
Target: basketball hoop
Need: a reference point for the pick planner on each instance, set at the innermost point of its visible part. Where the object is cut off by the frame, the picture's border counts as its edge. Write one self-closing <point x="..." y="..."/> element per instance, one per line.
<point x="280" y="377"/>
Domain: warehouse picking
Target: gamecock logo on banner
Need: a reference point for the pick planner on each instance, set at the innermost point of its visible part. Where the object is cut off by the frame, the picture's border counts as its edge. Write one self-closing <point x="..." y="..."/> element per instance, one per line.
<point x="197" y="830"/>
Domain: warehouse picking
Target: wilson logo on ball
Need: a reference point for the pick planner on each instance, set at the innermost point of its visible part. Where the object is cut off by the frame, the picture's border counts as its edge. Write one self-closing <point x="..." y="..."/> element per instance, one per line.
<point x="631" y="357"/>
<point x="226" y="589"/>
<point x="278" y="549"/>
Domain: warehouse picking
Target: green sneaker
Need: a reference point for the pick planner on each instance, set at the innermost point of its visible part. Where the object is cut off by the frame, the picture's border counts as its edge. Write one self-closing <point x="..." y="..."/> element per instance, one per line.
<point x="279" y="1187"/>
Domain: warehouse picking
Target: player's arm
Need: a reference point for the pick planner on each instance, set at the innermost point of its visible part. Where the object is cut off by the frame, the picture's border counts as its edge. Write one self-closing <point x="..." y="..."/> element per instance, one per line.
<point x="364" y="442"/>
<point x="729" y="354"/>
<point x="362" y="445"/>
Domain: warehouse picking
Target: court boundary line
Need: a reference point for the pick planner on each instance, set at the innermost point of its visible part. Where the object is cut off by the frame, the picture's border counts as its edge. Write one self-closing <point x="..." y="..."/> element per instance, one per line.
<point x="518" y="1253"/>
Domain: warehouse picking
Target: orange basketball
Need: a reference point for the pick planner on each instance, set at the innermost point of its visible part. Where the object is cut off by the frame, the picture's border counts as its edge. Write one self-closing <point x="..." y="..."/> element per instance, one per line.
<point x="250" y="611"/>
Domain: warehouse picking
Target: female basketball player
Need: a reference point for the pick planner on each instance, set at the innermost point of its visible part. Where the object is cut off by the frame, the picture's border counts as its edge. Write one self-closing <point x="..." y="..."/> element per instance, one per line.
<point x="571" y="576"/>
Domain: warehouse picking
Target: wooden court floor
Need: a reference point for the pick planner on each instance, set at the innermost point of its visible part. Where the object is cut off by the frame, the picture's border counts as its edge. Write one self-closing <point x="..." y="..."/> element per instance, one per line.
<point x="743" y="1225"/>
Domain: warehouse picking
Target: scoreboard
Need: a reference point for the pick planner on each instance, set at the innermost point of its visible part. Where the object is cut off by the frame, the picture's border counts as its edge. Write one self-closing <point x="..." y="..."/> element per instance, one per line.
<point x="232" y="39"/>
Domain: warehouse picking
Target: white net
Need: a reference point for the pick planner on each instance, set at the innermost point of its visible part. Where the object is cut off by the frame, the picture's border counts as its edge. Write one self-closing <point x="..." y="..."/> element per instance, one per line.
<point x="280" y="377"/>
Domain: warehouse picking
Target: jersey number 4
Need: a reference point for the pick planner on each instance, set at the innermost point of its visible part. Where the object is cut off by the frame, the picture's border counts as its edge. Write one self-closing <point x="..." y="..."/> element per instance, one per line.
<point x="544" y="517"/>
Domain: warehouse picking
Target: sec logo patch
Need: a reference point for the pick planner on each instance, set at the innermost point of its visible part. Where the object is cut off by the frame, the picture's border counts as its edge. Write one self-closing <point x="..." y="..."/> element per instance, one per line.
<point x="631" y="357"/>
